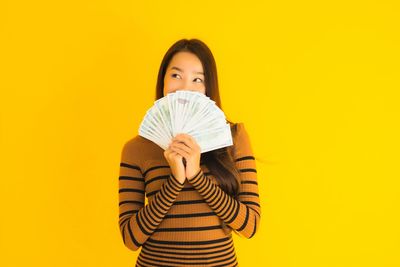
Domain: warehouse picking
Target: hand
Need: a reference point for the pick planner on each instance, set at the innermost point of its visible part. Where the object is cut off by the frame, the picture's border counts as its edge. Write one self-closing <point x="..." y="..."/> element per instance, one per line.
<point x="186" y="146"/>
<point x="175" y="162"/>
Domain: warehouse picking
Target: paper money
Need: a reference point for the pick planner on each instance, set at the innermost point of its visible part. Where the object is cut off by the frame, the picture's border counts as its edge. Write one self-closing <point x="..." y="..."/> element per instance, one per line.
<point x="189" y="112"/>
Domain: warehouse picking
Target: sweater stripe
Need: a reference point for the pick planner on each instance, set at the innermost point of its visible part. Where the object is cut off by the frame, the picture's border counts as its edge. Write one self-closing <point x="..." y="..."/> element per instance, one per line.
<point x="244" y="219"/>
<point x="142" y="220"/>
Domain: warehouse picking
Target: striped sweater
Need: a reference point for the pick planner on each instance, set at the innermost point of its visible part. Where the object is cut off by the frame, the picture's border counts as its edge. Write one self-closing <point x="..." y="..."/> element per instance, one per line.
<point x="187" y="224"/>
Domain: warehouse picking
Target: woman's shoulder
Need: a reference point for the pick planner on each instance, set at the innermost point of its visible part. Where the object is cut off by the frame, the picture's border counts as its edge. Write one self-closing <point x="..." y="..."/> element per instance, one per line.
<point x="135" y="142"/>
<point x="237" y="129"/>
<point x="137" y="148"/>
<point x="241" y="140"/>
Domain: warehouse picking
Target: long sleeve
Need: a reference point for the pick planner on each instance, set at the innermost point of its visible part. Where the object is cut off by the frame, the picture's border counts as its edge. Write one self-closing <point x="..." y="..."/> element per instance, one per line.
<point x="242" y="215"/>
<point x="138" y="221"/>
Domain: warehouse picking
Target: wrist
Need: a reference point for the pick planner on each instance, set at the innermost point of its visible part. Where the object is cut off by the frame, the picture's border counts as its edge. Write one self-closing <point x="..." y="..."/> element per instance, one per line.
<point x="194" y="174"/>
<point x="178" y="179"/>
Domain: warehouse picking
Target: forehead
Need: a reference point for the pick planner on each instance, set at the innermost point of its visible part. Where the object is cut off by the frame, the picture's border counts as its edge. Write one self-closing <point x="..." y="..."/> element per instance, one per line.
<point x="186" y="61"/>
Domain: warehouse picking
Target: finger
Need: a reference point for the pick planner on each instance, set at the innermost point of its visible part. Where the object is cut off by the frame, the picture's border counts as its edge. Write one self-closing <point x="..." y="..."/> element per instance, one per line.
<point x="181" y="152"/>
<point x="174" y="154"/>
<point x="186" y="139"/>
<point x="191" y="140"/>
<point x="182" y="146"/>
<point x="180" y="142"/>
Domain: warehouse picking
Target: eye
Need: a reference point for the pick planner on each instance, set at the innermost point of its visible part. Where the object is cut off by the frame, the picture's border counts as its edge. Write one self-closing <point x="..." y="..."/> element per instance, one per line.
<point x="199" y="79"/>
<point x="175" y="74"/>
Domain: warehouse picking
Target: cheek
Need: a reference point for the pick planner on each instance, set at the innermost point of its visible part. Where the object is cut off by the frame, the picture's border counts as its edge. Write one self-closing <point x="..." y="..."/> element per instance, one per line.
<point x="170" y="85"/>
<point x="202" y="89"/>
<point x="167" y="86"/>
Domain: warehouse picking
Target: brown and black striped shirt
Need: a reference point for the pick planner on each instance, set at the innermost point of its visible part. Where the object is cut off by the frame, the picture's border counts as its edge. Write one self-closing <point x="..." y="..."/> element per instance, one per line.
<point x="187" y="224"/>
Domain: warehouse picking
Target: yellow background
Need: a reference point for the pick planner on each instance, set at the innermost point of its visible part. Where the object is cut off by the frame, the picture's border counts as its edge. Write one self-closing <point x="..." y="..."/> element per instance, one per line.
<point x="315" y="82"/>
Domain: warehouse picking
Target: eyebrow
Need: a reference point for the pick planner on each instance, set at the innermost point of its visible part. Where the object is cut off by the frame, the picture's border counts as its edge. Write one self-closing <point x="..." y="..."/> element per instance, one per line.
<point x="178" y="69"/>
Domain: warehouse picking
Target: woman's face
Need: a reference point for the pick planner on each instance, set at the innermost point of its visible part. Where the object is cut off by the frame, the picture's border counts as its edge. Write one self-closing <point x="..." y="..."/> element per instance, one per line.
<point x="184" y="72"/>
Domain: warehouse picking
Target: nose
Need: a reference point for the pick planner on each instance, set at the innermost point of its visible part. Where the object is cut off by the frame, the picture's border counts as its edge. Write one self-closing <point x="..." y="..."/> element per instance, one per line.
<point x="187" y="85"/>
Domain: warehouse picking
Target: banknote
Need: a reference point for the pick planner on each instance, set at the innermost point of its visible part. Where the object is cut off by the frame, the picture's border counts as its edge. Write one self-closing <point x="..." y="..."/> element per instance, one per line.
<point x="189" y="112"/>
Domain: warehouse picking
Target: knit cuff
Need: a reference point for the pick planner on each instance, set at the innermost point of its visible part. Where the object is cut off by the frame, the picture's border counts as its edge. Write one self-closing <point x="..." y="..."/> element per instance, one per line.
<point x="195" y="177"/>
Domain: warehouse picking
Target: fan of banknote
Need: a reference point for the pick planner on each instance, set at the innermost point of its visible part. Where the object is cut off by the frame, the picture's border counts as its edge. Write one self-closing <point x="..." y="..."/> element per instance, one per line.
<point x="189" y="112"/>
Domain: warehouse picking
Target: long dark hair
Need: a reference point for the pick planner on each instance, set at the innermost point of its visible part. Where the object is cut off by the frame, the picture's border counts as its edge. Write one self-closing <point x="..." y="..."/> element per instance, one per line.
<point x="220" y="162"/>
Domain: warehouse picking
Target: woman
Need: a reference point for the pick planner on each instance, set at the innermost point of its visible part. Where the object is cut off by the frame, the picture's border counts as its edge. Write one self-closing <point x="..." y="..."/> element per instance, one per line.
<point x="195" y="199"/>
